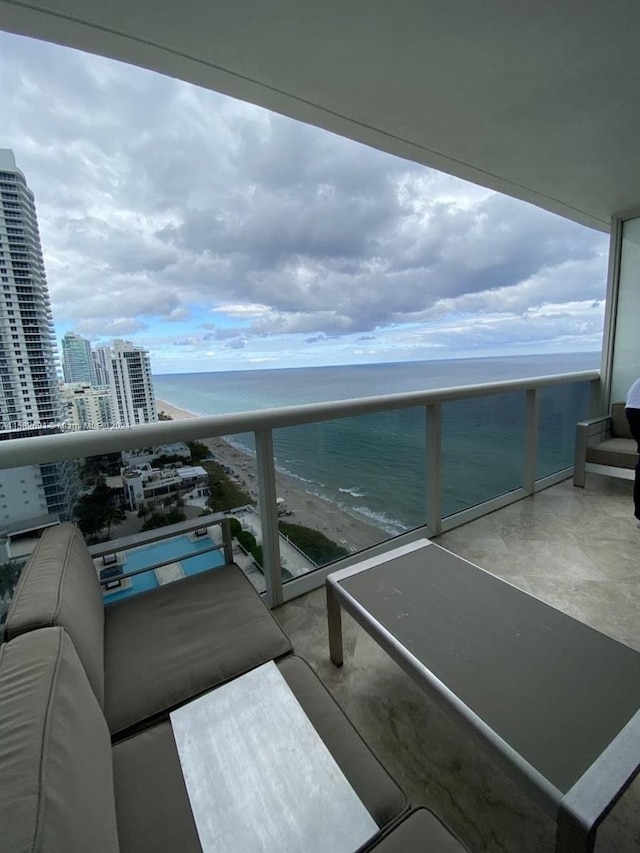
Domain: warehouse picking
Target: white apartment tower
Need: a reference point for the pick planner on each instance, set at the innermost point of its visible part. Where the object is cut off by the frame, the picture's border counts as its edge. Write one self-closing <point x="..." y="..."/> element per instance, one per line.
<point x="29" y="396"/>
<point x="87" y="407"/>
<point x="132" y="392"/>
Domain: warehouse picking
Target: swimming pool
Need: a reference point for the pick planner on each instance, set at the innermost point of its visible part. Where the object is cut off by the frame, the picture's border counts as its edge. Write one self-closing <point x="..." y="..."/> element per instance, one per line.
<point x="148" y="555"/>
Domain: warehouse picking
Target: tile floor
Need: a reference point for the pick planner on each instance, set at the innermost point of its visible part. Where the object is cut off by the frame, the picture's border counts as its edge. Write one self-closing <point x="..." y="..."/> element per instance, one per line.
<point x="577" y="549"/>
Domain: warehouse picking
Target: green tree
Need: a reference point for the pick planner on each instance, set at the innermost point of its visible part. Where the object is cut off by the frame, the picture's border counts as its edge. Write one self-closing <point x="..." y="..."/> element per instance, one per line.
<point x="162" y="519"/>
<point x="314" y="544"/>
<point x="247" y="540"/>
<point x="9" y="575"/>
<point x="114" y="515"/>
<point x="98" y="510"/>
<point x="199" y="451"/>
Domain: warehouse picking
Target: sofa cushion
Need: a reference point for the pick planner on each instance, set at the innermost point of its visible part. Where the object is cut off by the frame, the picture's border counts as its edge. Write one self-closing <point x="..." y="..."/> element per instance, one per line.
<point x="420" y="832"/>
<point x="380" y="795"/>
<point x="619" y="424"/>
<point x="56" y="776"/>
<point x="617" y="452"/>
<point x="59" y="586"/>
<point x="175" y="642"/>
<point x="151" y="799"/>
<point x="152" y="803"/>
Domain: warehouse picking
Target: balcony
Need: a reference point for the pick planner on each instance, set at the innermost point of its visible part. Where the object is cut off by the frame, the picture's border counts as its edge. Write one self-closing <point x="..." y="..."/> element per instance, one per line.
<point x="576" y="549"/>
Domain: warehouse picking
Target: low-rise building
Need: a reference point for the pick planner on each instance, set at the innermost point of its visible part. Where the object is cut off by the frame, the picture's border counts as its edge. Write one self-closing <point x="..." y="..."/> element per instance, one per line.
<point x="144" y="485"/>
<point x="143" y="455"/>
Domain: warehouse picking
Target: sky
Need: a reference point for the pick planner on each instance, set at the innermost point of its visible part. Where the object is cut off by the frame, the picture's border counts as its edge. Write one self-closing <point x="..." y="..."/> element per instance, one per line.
<point x="221" y="236"/>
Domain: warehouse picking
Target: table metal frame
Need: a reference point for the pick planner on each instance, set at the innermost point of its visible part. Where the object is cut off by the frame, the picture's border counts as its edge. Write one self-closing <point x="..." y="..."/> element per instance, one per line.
<point x="579" y="811"/>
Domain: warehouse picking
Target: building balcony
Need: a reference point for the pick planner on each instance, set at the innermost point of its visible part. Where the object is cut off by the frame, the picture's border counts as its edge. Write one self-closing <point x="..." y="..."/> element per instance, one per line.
<point x="519" y="518"/>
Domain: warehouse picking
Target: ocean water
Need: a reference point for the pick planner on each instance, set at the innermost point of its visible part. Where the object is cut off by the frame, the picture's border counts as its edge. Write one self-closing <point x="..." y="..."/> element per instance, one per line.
<point x="375" y="466"/>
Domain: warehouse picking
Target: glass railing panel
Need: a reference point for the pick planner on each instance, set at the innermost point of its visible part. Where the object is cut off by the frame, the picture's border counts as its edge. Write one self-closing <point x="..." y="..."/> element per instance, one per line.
<point x="233" y="489"/>
<point x="124" y="502"/>
<point x="560" y="408"/>
<point x="347" y="484"/>
<point x="482" y="449"/>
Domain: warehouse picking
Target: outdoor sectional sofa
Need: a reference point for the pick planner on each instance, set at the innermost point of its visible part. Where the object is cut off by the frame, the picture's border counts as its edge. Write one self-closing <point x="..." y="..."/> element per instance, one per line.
<point x="88" y="759"/>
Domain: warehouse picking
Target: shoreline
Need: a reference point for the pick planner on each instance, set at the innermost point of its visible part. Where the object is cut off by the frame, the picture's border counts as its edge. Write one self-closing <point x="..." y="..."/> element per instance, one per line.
<point x="307" y="509"/>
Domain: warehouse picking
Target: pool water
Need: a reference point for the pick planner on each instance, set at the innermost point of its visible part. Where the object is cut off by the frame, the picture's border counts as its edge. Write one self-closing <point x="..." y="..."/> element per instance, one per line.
<point x="147" y="555"/>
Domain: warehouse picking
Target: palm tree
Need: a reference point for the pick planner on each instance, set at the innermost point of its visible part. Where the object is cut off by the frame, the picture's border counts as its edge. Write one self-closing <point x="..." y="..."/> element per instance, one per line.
<point x="113" y="515"/>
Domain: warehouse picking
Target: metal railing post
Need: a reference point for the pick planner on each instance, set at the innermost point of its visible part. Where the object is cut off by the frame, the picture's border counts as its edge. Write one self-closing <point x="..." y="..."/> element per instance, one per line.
<point x="269" y="516"/>
<point x="227" y="541"/>
<point x="433" y="442"/>
<point x="530" y="461"/>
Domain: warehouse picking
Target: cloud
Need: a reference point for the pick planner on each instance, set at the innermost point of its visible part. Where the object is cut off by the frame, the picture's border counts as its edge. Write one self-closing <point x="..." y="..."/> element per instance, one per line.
<point x="161" y="203"/>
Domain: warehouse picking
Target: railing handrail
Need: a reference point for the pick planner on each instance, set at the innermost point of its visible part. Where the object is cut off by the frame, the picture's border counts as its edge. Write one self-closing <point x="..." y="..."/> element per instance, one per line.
<point x="41" y="449"/>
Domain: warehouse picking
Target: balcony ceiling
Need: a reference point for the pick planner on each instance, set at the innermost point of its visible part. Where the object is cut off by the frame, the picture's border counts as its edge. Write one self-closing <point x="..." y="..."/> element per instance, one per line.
<point x="539" y="101"/>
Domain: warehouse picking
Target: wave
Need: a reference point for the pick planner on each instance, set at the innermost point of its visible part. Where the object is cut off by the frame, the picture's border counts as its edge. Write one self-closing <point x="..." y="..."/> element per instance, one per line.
<point x="353" y="492"/>
<point x="389" y="524"/>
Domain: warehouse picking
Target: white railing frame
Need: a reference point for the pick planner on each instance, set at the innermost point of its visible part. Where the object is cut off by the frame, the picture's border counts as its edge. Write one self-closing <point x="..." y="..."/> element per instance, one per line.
<point x="42" y="449"/>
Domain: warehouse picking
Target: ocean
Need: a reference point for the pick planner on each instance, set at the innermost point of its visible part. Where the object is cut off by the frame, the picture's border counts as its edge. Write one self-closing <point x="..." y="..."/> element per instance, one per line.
<point x="374" y="466"/>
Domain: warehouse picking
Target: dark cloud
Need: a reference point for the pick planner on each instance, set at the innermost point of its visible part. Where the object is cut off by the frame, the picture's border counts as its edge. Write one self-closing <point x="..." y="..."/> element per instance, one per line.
<point x="156" y="199"/>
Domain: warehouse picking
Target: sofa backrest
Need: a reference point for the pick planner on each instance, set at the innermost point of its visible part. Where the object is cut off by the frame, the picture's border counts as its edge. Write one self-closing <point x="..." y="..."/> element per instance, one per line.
<point x="59" y="587"/>
<point x="619" y="424"/>
<point x="56" y="771"/>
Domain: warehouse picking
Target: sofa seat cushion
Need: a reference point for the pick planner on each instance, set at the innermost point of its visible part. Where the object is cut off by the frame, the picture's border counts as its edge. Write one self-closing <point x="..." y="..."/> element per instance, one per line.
<point x="380" y="795"/>
<point x="151" y="799"/>
<point x="59" y="586"/>
<point x="152" y="804"/>
<point x="56" y="772"/>
<point x="420" y="832"/>
<point x="182" y="639"/>
<point x="617" y="452"/>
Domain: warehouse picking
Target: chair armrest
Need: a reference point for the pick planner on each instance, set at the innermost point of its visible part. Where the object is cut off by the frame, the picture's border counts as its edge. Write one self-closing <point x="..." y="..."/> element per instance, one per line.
<point x="584" y="431"/>
<point x="593" y="421"/>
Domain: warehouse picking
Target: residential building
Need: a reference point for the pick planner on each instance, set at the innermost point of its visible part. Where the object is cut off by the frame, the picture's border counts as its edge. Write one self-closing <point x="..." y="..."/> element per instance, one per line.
<point x="142" y="455"/>
<point x="144" y="485"/>
<point x="132" y="392"/>
<point x="29" y="396"/>
<point x="101" y="362"/>
<point x="87" y="406"/>
<point x="78" y="364"/>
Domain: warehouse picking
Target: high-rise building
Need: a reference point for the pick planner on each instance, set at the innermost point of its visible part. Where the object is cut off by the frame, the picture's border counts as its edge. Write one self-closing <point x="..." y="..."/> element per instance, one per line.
<point x="101" y="361"/>
<point x="78" y="364"/>
<point x="132" y="392"/>
<point x="86" y="406"/>
<point x="29" y="396"/>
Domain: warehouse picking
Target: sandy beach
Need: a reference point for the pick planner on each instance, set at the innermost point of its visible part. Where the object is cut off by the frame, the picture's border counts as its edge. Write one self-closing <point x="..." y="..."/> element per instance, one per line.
<point x="308" y="509"/>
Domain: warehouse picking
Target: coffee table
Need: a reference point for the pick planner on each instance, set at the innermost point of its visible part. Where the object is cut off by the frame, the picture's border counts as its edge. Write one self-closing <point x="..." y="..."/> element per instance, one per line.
<point x="259" y="777"/>
<point x="556" y="700"/>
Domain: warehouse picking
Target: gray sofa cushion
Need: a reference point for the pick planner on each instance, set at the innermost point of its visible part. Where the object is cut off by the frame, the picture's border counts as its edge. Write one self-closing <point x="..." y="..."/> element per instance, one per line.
<point x="175" y="642"/>
<point x="617" y="452"/>
<point x="420" y="832"/>
<point x="152" y="804"/>
<point x="151" y="800"/>
<point x="619" y="424"/>
<point x="56" y="778"/>
<point x="59" y="586"/>
<point x="380" y="795"/>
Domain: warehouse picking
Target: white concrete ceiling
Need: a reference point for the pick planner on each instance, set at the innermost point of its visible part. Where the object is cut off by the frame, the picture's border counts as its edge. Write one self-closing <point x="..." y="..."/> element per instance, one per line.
<point x="538" y="100"/>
